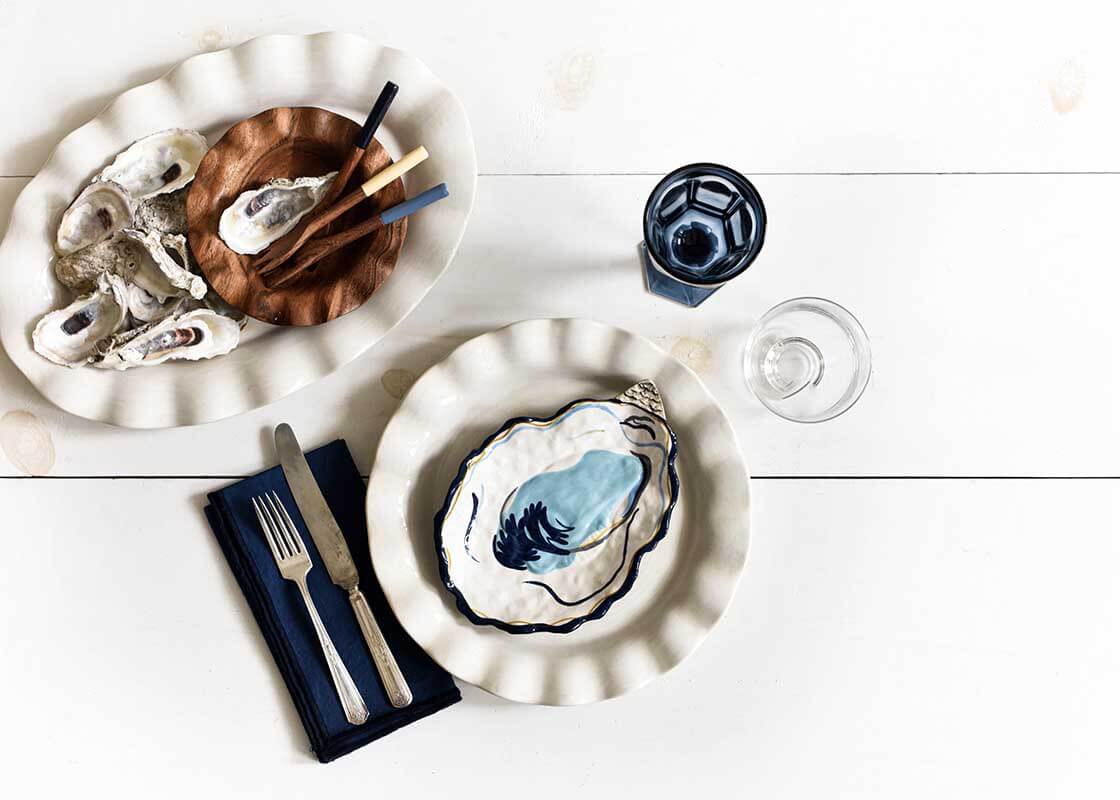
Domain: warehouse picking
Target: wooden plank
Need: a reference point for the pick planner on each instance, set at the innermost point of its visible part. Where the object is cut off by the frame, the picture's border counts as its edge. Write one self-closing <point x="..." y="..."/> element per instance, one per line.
<point x="988" y="300"/>
<point x="920" y="639"/>
<point x="646" y="86"/>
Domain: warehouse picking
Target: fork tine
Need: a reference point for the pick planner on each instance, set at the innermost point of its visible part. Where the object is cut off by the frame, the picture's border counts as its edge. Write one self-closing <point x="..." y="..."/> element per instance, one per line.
<point x="277" y="529"/>
<point x="266" y="529"/>
<point x="281" y="535"/>
<point x="285" y="531"/>
<point x="277" y="524"/>
<point x="291" y="525"/>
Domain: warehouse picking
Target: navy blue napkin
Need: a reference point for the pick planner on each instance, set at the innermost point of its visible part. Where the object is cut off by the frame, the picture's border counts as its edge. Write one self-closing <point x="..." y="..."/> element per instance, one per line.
<point x="283" y="620"/>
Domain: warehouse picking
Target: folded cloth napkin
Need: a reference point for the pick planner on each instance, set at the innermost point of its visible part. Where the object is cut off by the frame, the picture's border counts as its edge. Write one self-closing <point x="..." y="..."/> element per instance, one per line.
<point x="283" y="619"/>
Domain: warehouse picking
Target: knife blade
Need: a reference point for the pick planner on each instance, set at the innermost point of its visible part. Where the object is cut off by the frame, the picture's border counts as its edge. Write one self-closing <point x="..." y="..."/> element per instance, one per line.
<point x="337" y="558"/>
<point x="312" y="505"/>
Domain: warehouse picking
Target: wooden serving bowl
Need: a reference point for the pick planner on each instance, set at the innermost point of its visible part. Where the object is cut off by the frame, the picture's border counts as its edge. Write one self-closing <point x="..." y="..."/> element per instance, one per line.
<point x="290" y="143"/>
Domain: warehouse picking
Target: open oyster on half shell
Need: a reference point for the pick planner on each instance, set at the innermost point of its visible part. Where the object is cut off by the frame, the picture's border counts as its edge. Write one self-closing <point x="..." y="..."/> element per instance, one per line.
<point x="544" y="526"/>
<point x="157" y="164"/>
<point x="69" y="335"/>
<point x="194" y="335"/>
<point x="99" y="211"/>
<point x="259" y="217"/>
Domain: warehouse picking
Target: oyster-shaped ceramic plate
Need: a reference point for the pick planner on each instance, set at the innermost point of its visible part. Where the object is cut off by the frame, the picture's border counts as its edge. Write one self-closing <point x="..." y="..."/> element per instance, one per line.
<point x="546" y="522"/>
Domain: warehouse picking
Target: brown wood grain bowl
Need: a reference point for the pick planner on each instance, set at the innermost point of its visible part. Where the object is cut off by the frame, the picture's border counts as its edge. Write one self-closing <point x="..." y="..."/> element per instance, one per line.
<point x="289" y="143"/>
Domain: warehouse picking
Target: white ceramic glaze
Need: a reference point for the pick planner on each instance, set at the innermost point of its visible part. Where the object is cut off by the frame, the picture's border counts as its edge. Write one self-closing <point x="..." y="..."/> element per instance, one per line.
<point x="340" y="72"/>
<point x="533" y="368"/>
<point x="546" y="524"/>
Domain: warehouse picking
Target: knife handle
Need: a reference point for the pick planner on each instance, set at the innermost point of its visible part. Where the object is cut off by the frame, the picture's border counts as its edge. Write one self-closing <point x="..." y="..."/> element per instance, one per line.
<point x="396" y="687"/>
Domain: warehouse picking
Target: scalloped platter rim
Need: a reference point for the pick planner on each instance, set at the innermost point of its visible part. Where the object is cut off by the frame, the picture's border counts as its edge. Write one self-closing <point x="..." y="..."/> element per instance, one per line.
<point x="535" y="366"/>
<point x="335" y="71"/>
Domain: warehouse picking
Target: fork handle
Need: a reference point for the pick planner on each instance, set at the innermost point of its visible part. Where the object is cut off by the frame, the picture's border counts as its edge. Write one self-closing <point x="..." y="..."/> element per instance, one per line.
<point x="396" y="687"/>
<point x="348" y="694"/>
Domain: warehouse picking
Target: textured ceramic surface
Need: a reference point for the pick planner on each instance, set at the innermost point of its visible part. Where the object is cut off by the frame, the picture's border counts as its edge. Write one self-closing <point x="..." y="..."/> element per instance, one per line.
<point x="533" y="368"/>
<point x="339" y="72"/>
<point x="547" y="521"/>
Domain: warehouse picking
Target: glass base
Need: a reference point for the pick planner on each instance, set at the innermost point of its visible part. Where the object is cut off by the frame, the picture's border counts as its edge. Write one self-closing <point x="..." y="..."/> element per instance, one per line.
<point x="662" y="285"/>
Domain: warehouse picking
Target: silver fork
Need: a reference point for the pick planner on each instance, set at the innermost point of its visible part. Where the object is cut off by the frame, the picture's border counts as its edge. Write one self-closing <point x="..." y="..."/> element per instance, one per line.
<point x="294" y="563"/>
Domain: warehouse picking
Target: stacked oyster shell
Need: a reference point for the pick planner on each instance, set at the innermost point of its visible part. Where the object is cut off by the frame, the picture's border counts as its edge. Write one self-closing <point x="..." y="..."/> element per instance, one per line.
<point x="122" y="250"/>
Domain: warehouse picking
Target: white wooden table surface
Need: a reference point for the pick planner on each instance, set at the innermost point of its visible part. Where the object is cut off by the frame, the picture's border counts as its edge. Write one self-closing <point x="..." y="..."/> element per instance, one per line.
<point x="930" y="607"/>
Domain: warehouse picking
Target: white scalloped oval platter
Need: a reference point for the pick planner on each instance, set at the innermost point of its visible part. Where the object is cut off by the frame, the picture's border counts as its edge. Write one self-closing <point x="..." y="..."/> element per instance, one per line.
<point x="533" y="368"/>
<point x="340" y="72"/>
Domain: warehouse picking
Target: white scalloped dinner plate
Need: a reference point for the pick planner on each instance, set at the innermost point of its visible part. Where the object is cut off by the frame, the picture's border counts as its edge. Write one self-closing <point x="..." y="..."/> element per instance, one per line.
<point x="684" y="585"/>
<point x="209" y="93"/>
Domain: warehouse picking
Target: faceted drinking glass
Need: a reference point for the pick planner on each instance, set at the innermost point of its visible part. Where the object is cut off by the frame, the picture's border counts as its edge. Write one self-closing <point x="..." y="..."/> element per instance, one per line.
<point x="704" y="224"/>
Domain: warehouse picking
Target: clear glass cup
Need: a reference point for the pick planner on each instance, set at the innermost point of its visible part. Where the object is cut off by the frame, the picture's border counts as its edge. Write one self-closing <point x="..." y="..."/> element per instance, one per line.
<point x="808" y="360"/>
<point x="703" y="225"/>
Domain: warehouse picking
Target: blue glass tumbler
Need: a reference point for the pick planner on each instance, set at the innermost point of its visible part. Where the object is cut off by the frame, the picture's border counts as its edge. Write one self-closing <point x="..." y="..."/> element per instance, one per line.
<point x="704" y="225"/>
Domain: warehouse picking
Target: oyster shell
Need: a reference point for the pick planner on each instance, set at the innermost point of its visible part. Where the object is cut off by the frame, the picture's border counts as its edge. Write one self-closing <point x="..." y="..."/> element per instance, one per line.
<point x="259" y="217"/>
<point x="118" y="340"/>
<point x="215" y="303"/>
<point x="545" y="525"/>
<point x="166" y="272"/>
<point x="192" y="336"/>
<point x="143" y="307"/>
<point x="159" y="163"/>
<point x="69" y="335"/>
<point x="99" y="211"/>
<point x="122" y="247"/>
<point x="79" y="271"/>
<point x="166" y="213"/>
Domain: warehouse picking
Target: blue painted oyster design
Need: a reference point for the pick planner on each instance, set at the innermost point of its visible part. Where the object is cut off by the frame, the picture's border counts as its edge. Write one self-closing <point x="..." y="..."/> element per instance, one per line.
<point x="553" y="515"/>
<point x="547" y="520"/>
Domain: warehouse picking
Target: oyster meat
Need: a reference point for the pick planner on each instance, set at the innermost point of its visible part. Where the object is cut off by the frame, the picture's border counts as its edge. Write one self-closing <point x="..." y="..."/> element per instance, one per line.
<point x="259" y="217"/>
<point x="99" y="211"/>
<point x="545" y="525"/>
<point x="194" y="335"/>
<point x="69" y="335"/>
<point x="165" y="272"/>
<point x="159" y="163"/>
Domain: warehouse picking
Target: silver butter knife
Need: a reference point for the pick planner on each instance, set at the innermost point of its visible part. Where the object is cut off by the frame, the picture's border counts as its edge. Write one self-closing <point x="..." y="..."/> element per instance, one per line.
<point x="338" y="561"/>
